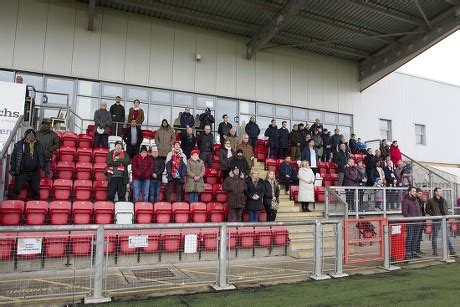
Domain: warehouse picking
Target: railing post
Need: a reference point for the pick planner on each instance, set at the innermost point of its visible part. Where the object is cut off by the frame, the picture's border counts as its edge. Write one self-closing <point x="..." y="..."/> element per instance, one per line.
<point x="339" y="252"/>
<point x="326" y="203"/>
<point x="356" y="201"/>
<point x="317" y="267"/>
<point x="223" y="262"/>
<point x="384" y="207"/>
<point x="386" y="250"/>
<point x="98" y="270"/>
<point x="445" y="238"/>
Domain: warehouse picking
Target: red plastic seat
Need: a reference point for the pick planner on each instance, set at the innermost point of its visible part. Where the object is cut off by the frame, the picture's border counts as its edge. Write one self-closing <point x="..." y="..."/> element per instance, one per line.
<point x="319" y="194"/>
<point x="171" y="239"/>
<point x="208" y="194"/>
<point x="82" y="190"/>
<point x="100" y="155"/>
<point x="83" y="171"/>
<point x="270" y="165"/>
<point x="263" y="215"/>
<point x="103" y="212"/>
<point x="181" y="212"/>
<point x="7" y="245"/>
<point x="100" y="190"/>
<point x="280" y="235"/>
<point x="67" y="153"/>
<point x="323" y="165"/>
<point x="65" y="170"/>
<point x="247" y="237"/>
<point x="84" y="154"/>
<point x="154" y="238"/>
<point x="36" y="212"/>
<point x="81" y="242"/>
<point x="264" y="236"/>
<point x="209" y="238"/>
<point x="69" y="139"/>
<point x="216" y="212"/>
<point x="11" y="212"/>
<point x="233" y="237"/>
<point x="85" y="141"/>
<point x="220" y="195"/>
<point x="82" y="212"/>
<point x="198" y="212"/>
<point x="45" y="188"/>
<point x="55" y="243"/>
<point x="99" y="171"/>
<point x="143" y="212"/>
<point x="148" y="134"/>
<point x="162" y="212"/>
<point x="293" y="192"/>
<point x="59" y="212"/>
<point x="212" y="176"/>
<point x="23" y="194"/>
<point x="90" y="130"/>
<point x="123" y="242"/>
<point x="62" y="189"/>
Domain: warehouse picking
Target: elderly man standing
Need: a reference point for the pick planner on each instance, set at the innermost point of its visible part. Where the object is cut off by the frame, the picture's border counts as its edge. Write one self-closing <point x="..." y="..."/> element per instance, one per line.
<point x="102" y="125"/>
<point x="186" y="119"/>
<point x="49" y="141"/>
<point x="247" y="149"/>
<point x="206" y="145"/>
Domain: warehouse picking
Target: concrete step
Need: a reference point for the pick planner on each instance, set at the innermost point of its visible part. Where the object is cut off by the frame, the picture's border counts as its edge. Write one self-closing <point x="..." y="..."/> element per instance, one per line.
<point x="310" y="244"/>
<point x="285" y="209"/>
<point x="311" y="253"/>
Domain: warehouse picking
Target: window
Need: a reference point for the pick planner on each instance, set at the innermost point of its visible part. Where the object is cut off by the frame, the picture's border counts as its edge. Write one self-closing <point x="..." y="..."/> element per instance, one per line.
<point x="35" y="80"/>
<point x="112" y="90"/>
<point x="420" y="135"/>
<point x="205" y="102"/>
<point x="161" y="96"/>
<point x="7" y="76"/>
<point x="88" y="88"/>
<point x="345" y="120"/>
<point x="157" y="113"/>
<point x="313" y="115"/>
<point x="284" y="112"/>
<point x="183" y="99"/>
<point x="137" y="93"/>
<point x="385" y="129"/>
<point x="330" y="118"/>
<point x="299" y="114"/>
<point x="247" y="107"/>
<point x="265" y="109"/>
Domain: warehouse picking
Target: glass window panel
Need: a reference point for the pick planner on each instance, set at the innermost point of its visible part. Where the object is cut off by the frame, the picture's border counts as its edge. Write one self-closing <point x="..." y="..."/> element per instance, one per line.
<point x="7" y="76"/>
<point x="229" y="107"/>
<point x="247" y="107"/>
<point x="330" y="118"/>
<point x="283" y="112"/>
<point x="263" y="123"/>
<point x="35" y="80"/>
<point x="88" y="88"/>
<point x="345" y="131"/>
<point x="86" y="107"/>
<point x="137" y="93"/>
<point x="345" y="120"/>
<point x="176" y="112"/>
<point x="300" y="114"/>
<point x="59" y="85"/>
<point x="265" y="109"/>
<point x="112" y="90"/>
<point x="384" y="124"/>
<point x="330" y="128"/>
<point x="181" y="99"/>
<point x="57" y="99"/>
<point x="244" y="119"/>
<point x="205" y="102"/>
<point x="157" y="113"/>
<point x="312" y="115"/>
<point x="161" y="96"/>
<point x="419" y="129"/>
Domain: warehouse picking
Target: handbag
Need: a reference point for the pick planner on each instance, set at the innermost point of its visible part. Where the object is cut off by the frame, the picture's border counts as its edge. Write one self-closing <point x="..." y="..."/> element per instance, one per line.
<point x="275" y="205"/>
<point x="100" y="130"/>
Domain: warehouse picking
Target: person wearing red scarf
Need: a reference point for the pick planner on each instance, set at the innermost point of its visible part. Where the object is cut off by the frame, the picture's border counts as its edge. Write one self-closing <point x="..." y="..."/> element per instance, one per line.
<point x="117" y="172"/>
<point x="176" y="169"/>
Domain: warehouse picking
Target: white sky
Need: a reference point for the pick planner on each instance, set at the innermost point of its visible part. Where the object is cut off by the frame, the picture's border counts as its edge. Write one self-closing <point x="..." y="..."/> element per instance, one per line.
<point x="441" y="62"/>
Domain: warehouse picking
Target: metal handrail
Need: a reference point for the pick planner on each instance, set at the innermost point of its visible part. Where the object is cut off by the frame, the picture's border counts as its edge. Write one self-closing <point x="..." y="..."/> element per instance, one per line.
<point x="11" y="137"/>
<point x="328" y="191"/>
<point x="426" y="168"/>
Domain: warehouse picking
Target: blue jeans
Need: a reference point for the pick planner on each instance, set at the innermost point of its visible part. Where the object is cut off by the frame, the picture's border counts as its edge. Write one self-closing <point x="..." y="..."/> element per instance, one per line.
<point x="253" y="215"/>
<point x="434" y="237"/>
<point x="141" y="186"/>
<point x="154" y="195"/>
<point x="412" y="232"/>
<point x="193" y="197"/>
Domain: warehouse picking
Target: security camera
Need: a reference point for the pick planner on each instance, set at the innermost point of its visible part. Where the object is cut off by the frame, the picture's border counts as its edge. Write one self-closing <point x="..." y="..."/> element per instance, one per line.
<point x="198" y="57"/>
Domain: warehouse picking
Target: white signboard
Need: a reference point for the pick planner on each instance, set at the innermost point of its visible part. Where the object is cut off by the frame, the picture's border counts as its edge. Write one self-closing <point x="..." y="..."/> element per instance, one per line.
<point x="190" y="245"/>
<point x="29" y="246"/>
<point x="396" y="230"/>
<point x="12" y="97"/>
<point x="138" y="241"/>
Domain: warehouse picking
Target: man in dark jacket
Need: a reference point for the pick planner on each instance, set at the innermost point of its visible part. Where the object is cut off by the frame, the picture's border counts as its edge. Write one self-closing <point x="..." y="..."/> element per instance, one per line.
<point x="102" y="125"/>
<point x="117" y="173"/>
<point x="283" y="140"/>
<point x="155" y="180"/>
<point x="410" y="208"/>
<point x="304" y="137"/>
<point x="288" y="175"/>
<point x="294" y="140"/>
<point x="255" y="194"/>
<point x="186" y="119"/>
<point x="206" y="145"/>
<point x="49" y="141"/>
<point x="188" y="142"/>
<point x="272" y="134"/>
<point x="335" y="141"/>
<point x="326" y="136"/>
<point x="133" y="139"/>
<point x="310" y="154"/>
<point x="370" y="165"/>
<point x="224" y="129"/>
<point x="437" y="206"/>
<point x="240" y="162"/>
<point x="142" y="171"/>
<point x="26" y="163"/>
<point x="422" y="204"/>
<point x="340" y="158"/>
<point x="316" y="126"/>
<point x="118" y="116"/>
<point x="353" y="144"/>
<point x="384" y="148"/>
<point x="350" y="179"/>
<point x="236" y="187"/>
<point x="253" y="131"/>
<point x="206" y="119"/>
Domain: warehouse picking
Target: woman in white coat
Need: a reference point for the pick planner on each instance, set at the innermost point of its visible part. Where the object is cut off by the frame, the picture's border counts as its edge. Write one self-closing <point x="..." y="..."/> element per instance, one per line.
<point x="306" y="186"/>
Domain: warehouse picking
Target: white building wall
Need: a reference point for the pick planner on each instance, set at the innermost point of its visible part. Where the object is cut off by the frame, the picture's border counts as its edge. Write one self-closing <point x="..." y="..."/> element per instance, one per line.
<point x="407" y="100"/>
<point x="50" y="36"/>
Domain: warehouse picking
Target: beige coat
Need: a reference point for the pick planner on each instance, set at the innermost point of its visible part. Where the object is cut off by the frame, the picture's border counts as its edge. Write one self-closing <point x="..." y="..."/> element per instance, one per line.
<point x="234" y="141"/>
<point x="306" y="185"/>
<point x="247" y="153"/>
<point x="194" y="168"/>
<point x="164" y="139"/>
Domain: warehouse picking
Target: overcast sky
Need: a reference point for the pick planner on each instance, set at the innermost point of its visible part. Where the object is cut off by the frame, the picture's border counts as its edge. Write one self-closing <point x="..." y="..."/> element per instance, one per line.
<point x="441" y="62"/>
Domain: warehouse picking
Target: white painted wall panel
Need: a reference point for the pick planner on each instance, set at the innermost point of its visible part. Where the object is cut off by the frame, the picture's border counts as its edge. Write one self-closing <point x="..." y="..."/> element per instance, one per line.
<point x="184" y="58"/>
<point x="60" y="38"/>
<point x="330" y="95"/>
<point x="8" y="21"/>
<point x="113" y="46"/>
<point x="161" y="54"/>
<point x="206" y="45"/>
<point x="315" y="82"/>
<point x="30" y="35"/>
<point x="282" y="77"/>
<point x="344" y="90"/>
<point x="298" y="79"/>
<point x="226" y="77"/>
<point x="245" y="74"/>
<point x="264" y="76"/>
<point x="138" y="50"/>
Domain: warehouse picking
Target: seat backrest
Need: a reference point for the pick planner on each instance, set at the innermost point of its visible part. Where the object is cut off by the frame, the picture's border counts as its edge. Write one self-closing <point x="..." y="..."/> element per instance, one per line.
<point x="162" y="206"/>
<point x="180" y="206"/>
<point x="83" y="184"/>
<point x="198" y="206"/>
<point x="12" y="204"/>
<point x="36" y="205"/>
<point x="143" y="206"/>
<point x="103" y="205"/>
<point x="124" y="206"/>
<point x="100" y="184"/>
<point x="60" y="205"/>
<point x="80" y="206"/>
<point x="62" y="184"/>
<point x="215" y="207"/>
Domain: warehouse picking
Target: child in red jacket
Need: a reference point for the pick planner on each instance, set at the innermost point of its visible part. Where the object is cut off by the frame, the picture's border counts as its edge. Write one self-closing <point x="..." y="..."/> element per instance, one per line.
<point x="142" y="169"/>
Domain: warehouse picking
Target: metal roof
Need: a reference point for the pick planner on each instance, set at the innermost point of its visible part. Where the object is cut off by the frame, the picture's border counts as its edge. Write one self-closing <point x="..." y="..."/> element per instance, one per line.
<point x="371" y="32"/>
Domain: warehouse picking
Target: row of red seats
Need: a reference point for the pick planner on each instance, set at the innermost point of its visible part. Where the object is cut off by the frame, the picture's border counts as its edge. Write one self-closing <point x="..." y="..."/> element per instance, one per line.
<point x="319" y="193"/>
<point x="81" y="154"/>
<point x="56" y="244"/>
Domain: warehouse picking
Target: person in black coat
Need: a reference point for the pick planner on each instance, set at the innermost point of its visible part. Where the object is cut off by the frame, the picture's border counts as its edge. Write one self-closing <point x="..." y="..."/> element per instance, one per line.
<point x="316" y="125"/>
<point x="391" y="177"/>
<point x="304" y="136"/>
<point x="186" y="119"/>
<point x="133" y="138"/>
<point x="283" y="140"/>
<point x="370" y="165"/>
<point x="240" y="162"/>
<point x="271" y="196"/>
<point x="287" y="174"/>
<point x="341" y="159"/>
<point x="308" y="156"/>
<point x="272" y="134"/>
<point x="335" y="141"/>
<point x="206" y="146"/>
<point x="253" y="131"/>
<point x="326" y="136"/>
<point x="206" y="119"/>
<point x="156" y="179"/>
<point x="255" y="195"/>
<point x="188" y="142"/>
<point x="353" y="144"/>
<point x="294" y="140"/>
<point x="224" y="129"/>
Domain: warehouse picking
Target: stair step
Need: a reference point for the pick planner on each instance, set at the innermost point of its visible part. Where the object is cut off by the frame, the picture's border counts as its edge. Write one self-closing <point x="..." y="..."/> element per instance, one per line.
<point x="310" y="253"/>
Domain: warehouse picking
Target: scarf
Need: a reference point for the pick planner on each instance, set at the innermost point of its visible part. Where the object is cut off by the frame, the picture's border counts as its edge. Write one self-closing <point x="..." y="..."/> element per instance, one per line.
<point x="273" y="185"/>
<point x="176" y="160"/>
<point x="31" y="148"/>
<point x="115" y="157"/>
<point x="229" y="152"/>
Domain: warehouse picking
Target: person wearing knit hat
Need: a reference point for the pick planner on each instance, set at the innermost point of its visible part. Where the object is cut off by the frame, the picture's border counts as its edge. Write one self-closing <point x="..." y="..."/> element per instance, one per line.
<point x="236" y="187"/>
<point x="176" y="150"/>
<point x="195" y="171"/>
<point x="164" y="138"/>
<point x="239" y="161"/>
<point x="117" y="172"/>
<point x="142" y="170"/>
<point x="50" y="142"/>
<point x="26" y="163"/>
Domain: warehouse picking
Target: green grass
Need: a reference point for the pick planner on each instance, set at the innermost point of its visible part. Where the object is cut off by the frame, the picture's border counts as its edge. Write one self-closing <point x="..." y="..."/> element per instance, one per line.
<point x="436" y="285"/>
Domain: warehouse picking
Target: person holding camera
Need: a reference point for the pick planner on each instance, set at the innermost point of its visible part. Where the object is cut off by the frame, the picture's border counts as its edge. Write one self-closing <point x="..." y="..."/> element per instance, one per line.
<point x="206" y="119"/>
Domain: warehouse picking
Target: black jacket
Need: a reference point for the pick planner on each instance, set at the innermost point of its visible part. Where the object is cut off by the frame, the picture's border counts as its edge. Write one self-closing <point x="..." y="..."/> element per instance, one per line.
<point x="287" y="169"/>
<point x="268" y="193"/>
<point x="303" y="138"/>
<point x="314" y="127"/>
<point x="187" y="144"/>
<point x="252" y="129"/>
<point x="49" y="141"/>
<point x="254" y="189"/>
<point x="272" y="134"/>
<point x="158" y="167"/>
<point x="21" y="148"/>
<point x="206" y="142"/>
<point x="295" y="138"/>
<point x="118" y="113"/>
<point x="353" y="146"/>
<point x="341" y="159"/>
<point x="241" y="163"/>
<point x="335" y="142"/>
<point x="186" y="119"/>
<point x="206" y="119"/>
<point x="305" y="155"/>
<point x="223" y="130"/>
<point x="127" y="137"/>
<point x="326" y="139"/>
<point x="390" y="176"/>
<point x="283" y="137"/>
